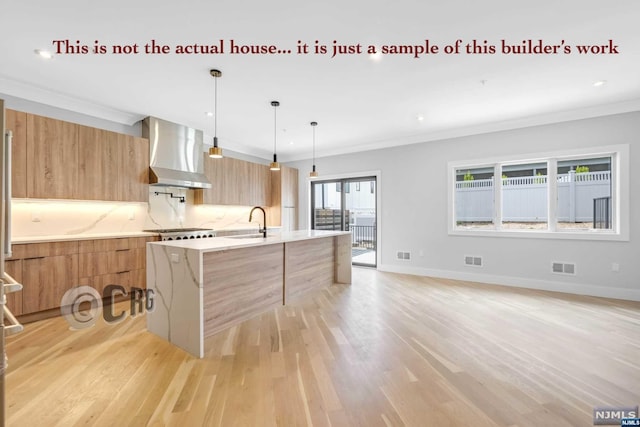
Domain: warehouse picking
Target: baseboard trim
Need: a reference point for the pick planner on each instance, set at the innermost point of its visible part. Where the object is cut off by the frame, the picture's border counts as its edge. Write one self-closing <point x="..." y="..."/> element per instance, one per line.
<point x="519" y="282"/>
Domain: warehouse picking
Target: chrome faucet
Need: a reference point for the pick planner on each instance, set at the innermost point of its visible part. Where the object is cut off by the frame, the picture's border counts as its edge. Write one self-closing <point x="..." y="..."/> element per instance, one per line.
<point x="264" y="216"/>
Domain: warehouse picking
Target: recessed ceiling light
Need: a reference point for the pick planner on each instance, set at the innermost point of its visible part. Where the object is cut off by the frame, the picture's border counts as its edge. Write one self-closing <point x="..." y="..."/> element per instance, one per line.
<point x="208" y="113"/>
<point x="290" y="142"/>
<point x="420" y="117"/>
<point x="43" y="53"/>
<point x="375" y="56"/>
<point x="599" y="83"/>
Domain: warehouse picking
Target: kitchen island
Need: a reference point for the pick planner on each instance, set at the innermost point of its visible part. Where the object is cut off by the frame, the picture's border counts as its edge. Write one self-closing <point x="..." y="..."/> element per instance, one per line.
<point x="202" y="286"/>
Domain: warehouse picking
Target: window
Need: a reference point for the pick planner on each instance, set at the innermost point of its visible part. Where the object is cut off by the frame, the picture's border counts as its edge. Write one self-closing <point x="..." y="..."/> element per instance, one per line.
<point x="578" y="194"/>
<point x="584" y="193"/>
<point x="524" y="196"/>
<point x="474" y="198"/>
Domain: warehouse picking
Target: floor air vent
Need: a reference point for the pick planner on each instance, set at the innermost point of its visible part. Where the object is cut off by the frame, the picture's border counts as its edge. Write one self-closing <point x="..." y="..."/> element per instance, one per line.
<point x="563" y="268"/>
<point x="473" y="261"/>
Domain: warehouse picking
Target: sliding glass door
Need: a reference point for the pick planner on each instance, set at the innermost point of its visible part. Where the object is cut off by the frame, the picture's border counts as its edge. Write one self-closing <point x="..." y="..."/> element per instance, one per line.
<point x="348" y="204"/>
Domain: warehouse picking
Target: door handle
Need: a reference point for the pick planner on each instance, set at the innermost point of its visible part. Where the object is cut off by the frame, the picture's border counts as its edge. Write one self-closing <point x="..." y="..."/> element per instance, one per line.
<point x="15" y="326"/>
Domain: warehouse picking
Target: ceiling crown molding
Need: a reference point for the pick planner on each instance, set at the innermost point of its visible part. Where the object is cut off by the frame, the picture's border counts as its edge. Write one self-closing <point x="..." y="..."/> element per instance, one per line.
<point x="55" y="99"/>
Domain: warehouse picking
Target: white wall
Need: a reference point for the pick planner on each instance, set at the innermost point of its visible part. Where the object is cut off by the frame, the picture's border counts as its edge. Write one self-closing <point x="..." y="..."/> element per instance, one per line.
<point x="413" y="191"/>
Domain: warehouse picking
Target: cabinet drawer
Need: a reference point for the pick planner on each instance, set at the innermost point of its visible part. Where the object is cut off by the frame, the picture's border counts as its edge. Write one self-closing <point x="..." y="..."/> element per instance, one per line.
<point x="35" y="250"/>
<point x="103" y="245"/>
<point x="45" y="281"/>
<point x="102" y="281"/>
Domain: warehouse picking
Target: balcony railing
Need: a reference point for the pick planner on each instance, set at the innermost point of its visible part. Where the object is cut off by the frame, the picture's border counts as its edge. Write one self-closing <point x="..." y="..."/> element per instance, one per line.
<point x="363" y="236"/>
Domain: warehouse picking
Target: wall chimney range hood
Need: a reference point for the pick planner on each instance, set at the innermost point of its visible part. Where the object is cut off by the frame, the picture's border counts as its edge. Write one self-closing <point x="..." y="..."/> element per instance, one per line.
<point x="176" y="154"/>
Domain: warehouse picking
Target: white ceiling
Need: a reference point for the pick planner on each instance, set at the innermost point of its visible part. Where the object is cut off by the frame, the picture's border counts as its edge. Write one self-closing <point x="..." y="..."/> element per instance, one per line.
<point x="359" y="103"/>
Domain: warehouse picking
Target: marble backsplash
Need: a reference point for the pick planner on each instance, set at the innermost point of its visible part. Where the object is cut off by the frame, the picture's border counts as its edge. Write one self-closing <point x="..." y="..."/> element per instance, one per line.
<point x="36" y="217"/>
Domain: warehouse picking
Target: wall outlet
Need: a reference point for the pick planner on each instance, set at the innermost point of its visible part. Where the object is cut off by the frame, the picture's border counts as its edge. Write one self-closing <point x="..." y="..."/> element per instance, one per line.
<point x="615" y="267"/>
<point x="35" y="216"/>
<point x="175" y="258"/>
<point x="132" y="215"/>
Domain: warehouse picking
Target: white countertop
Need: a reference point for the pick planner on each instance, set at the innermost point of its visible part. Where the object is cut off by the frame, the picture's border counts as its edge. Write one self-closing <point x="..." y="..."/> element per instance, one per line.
<point x="66" y="237"/>
<point x="222" y="243"/>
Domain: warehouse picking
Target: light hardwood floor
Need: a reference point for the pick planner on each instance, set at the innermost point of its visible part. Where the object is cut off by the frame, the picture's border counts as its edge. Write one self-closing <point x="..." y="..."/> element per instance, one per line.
<point x="389" y="350"/>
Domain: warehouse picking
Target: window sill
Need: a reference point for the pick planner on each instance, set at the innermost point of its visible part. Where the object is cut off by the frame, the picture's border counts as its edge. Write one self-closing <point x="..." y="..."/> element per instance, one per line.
<point x="543" y="234"/>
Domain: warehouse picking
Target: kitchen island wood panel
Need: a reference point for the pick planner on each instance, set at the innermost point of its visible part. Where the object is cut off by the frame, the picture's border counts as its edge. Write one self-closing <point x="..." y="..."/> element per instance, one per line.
<point x="240" y="283"/>
<point x="310" y="265"/>
<point x="201" y="287"/>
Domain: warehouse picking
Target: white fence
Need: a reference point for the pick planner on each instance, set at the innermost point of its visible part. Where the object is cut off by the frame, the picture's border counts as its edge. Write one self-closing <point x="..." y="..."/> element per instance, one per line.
<point x="524" y="199"/>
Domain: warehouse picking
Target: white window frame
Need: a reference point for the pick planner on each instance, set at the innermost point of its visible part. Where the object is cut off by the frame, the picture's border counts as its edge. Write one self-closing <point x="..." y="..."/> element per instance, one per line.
<point x="620" y="193"/>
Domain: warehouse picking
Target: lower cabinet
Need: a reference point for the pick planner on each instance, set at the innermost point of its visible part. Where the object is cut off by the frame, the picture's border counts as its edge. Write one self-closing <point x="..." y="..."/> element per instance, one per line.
<point x="113" y="262"/>
<point x="48" y="270"/>
<point x="46" y="279"/>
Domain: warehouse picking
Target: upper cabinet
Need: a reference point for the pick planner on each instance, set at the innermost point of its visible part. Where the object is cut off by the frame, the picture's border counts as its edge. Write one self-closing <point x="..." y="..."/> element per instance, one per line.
<point x="54" y="159"/>
<point x="133" y="168"/>
<point x="98" y="164"/>
<point x="235" y="182"/>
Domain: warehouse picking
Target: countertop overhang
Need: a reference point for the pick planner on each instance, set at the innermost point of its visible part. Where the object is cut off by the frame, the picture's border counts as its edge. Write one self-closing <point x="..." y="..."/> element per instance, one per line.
<point x="224" y="243"/>
<point x="87" y="236"/>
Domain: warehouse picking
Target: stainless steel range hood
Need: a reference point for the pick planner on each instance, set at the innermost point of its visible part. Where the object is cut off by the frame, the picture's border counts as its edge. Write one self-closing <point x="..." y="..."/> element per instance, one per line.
<point x="176" y="154"/>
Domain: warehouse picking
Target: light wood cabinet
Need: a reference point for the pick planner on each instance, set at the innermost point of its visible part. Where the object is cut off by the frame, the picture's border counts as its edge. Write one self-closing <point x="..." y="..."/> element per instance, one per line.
<point x="112" y="166"/>
<point x="48" y="270"/>
<point x="55" y="159"/>
<point x="52" y="158"/>
<point x="46" y="279"/>
<point x="16" y="122"/>
<point x="235" y="182"/>
<point x="113" y="262"/>
<point x="133" y="168"/>
<point x="97" y="164"/>
<point x="283" y="211"/>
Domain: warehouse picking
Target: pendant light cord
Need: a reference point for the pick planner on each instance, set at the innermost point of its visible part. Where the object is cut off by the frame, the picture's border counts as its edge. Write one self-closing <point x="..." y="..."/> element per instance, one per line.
<point x="275" y="129"/>
<point x="314" y="144"/>
<point x="215" y="107"/>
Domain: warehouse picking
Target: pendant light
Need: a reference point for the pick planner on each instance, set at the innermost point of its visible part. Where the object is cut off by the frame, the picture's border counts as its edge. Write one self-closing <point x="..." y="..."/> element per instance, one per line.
<point x="313" y="172"/>
<point x="215" y="152"/>
<point x="275" y="166"/>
